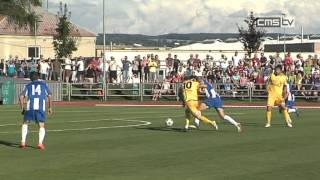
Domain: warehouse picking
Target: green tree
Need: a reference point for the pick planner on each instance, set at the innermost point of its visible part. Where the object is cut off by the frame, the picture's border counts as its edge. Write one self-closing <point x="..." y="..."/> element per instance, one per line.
<point x="20" y="13"/>
<point x="251" y="37"/>
<point x="64" y="44"/>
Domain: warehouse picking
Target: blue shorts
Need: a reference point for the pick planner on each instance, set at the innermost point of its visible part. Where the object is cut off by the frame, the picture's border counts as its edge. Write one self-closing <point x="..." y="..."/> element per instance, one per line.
<point x="290" y="104"/>
<point x="34" y="115"/>
<point x="214" y="103"/>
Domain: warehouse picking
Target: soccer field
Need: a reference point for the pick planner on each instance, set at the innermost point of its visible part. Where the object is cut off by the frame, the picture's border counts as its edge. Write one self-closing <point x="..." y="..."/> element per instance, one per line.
<point x="116" y="143"/>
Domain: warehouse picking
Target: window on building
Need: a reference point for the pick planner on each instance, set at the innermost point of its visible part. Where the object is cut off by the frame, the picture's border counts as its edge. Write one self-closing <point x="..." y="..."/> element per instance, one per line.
<point x="34" y="52"/>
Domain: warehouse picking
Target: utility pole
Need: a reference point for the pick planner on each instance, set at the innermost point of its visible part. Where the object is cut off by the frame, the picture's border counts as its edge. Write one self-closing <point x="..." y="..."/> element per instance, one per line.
<point x="284" y="35"/>
<point x="104" y="43"/>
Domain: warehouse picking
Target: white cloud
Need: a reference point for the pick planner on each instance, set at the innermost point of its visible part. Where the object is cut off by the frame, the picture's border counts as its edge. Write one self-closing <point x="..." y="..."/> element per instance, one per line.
<point x="185" y="16"/>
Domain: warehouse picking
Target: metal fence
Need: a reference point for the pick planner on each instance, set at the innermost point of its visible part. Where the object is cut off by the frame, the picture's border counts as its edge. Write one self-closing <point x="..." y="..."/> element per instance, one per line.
<point x="55" y="87"/>
<point x="145" y="91"/>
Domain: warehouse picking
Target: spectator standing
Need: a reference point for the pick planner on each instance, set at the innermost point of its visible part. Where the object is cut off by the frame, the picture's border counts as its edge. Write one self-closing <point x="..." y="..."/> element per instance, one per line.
<point x="125" y="69"/>
<point x="169" y="64"/>
<point x="196" y="62"/>
<point x="277" y="59"/>
<point x="236" y="59"/>
<point x="67" y="69"/>
<point x="49" y="78"/>
<point x="113" y="70"/>
<point x="158" y="66"/>
<point x="153" y="70"/>
<point x="90" y="75"/>
<point x="176" y="63"/>
<point x="74" y="69"/>
<point x="255" y="60"/>
<point x="145" y="72"/>
<point x="21" y="71"/>
<point x="56" y="70"/>
<point x="140" y="68"/>
<point x="44" y="68"/>
<point x="307" y="68"/>
<point x="230" y="69"/>
<point x="316" y="84"/>
<point x="288" y="61"/>
<point x="190" y="61"/>
<point x="12" y="72"/>
<point x="135" y="66"/>
<point x="80" y="67"/>
<point x="223" y="62"/>
<point x="33" y="66"/>
<point x="2" y="67"/>
<point x="263" y="60"/>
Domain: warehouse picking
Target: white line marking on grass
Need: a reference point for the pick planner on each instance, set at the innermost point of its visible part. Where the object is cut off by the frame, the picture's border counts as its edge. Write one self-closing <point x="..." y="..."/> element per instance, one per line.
<point x="140" y="123"/>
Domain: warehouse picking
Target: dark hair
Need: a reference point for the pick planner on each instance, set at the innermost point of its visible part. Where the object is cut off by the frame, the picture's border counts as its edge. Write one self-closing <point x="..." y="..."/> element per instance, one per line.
<point x="34" y="76"/>
<point x="278" y="67"/>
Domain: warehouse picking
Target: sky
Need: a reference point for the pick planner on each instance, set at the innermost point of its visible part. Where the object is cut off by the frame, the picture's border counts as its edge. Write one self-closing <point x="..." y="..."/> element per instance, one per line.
<point x="155" y="17"/>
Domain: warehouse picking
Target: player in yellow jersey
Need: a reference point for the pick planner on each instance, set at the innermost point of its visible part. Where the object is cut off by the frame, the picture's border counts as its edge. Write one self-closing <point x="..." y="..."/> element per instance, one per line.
<point x="277" y="93"/>
<point x="190" y="98"/>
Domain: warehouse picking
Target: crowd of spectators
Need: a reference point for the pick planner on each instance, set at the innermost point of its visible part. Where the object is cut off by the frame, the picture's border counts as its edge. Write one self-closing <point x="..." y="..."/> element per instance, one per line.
<point x="233" y="73"/>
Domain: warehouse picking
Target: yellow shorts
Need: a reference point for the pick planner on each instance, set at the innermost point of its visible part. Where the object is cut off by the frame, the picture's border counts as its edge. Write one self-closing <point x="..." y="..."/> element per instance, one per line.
<point x="193" y="106"/>
<point x="275" y="101"/>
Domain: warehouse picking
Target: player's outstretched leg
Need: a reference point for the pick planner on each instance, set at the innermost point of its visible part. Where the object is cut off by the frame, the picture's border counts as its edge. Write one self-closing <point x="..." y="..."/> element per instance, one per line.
<point x="24" y="133"/>
<point x="189" y="117"/>
<point x="293" y="110"/>
<point x="286" y="116"/>
<point x="229" y="119"/>
<point x="42" y="133"/>
<point x="205" y="119"/>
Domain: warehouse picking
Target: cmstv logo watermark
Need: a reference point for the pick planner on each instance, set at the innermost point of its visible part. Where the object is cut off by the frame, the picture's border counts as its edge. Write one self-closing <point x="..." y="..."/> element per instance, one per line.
<point x="273" y="22"/>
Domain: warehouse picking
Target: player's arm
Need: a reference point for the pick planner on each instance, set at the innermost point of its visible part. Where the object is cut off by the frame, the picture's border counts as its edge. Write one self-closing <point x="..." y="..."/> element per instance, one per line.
<point x="22" y="99"/>
<point x="49" y="97"/>
<point x="285" y="93"/>
<point x="22" y="104"/>
<point x="181" y="96"/>
<point x="202" y="86"/>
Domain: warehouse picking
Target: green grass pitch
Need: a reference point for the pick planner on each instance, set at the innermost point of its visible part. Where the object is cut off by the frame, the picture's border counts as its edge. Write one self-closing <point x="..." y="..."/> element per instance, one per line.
<point x="94" y="143"/>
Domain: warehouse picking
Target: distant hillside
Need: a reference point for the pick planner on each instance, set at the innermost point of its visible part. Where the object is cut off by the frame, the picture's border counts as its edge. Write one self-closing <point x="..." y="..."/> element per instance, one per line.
<point x="168" y="40"/>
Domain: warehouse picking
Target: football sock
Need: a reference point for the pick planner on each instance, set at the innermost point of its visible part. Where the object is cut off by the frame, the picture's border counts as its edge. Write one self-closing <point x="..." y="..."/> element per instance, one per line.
<point x="269" y="115"/>
<point x="187" y="123"/>
<point x="206" y="120"/>
<point x="286" y="115"/>
<point x="230" y="120"/>
<point x="24" y="132"/>
<point x="292" y="110"/>
<point x="197" y="121"/>
<point x="42" y="133"/>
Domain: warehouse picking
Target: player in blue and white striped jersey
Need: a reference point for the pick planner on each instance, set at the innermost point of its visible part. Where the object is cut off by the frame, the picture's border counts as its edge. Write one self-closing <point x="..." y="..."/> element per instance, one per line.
<point x="290" y="100"/>
<point x="33" y="100"/>
<point x="213" y="100"/>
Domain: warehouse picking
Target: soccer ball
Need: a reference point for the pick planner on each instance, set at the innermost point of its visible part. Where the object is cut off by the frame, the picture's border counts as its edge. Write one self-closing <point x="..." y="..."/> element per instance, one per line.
<point x="169" y="122"/>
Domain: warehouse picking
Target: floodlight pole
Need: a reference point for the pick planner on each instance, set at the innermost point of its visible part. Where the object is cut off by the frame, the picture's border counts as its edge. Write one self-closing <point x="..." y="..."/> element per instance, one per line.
<point x="284" y="35"/>
<point x="104" y="44"/>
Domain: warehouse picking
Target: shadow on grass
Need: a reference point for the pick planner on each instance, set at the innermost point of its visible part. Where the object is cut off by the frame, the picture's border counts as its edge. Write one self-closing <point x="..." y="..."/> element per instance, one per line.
<point x="162" y="129"/>
<point x="13" y="145"/>
<point x="252" y="124"/>
<point x="174" y="129"/>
